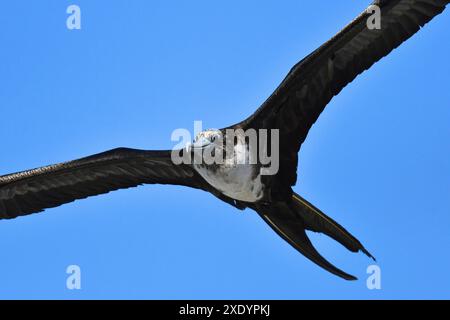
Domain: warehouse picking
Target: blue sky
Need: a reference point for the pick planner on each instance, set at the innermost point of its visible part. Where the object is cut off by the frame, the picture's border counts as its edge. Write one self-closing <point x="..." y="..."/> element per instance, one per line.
<point x="377" y="160"/>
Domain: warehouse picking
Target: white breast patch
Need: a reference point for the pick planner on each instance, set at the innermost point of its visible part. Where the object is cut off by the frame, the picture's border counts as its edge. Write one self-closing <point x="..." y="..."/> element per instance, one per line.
<point x="235" y="178"/>
<point x="235" y="182"/>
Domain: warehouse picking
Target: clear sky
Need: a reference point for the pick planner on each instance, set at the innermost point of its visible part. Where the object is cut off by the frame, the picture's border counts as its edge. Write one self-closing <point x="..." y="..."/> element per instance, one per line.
<point x="377" y="161"/>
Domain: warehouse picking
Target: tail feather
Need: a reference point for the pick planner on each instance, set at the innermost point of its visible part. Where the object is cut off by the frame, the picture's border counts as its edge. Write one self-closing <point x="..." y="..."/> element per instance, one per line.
<point x="284" y="221"/>
<point x="317" y="221"/>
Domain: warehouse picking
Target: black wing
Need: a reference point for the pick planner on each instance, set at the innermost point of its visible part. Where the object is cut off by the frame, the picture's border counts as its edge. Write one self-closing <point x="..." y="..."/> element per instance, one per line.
<point x="311" y="84"/>
<point x="35" y="190"/>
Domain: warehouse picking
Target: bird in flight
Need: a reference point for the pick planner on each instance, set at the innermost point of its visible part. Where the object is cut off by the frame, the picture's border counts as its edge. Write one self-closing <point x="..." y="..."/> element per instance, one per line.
<point x="290" y="111"/>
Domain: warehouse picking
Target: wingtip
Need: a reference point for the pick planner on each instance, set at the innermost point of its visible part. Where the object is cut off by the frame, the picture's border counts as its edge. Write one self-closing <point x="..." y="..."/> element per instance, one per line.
<point x="367" y="253"/>
<point x="351" y="278"/>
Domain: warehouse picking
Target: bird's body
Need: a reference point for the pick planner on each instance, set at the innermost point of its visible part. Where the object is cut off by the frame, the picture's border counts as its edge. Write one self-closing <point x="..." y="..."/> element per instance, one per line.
<point x="240" y="180"/>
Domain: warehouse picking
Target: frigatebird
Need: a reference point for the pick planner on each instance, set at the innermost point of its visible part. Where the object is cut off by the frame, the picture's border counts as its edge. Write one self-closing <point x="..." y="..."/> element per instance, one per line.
<point x="291" y="110"/>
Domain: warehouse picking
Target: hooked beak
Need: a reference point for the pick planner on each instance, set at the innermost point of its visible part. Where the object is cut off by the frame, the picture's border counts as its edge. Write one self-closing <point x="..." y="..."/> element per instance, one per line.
<point x="198" y="145"/>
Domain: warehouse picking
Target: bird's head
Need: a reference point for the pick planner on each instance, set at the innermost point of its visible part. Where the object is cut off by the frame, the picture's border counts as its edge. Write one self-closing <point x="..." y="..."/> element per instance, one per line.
<point x="208" y="148"/>
<point x="206" y="139"/>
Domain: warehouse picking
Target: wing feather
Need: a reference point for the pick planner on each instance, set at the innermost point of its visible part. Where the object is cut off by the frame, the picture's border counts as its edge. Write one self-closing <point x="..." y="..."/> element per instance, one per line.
<point x="51" y="186"/>
<point x="310" y="85"/>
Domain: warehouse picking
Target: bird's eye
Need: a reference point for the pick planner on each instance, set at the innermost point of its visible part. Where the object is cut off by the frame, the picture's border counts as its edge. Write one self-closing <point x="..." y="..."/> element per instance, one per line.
<point x="213" y="138"/>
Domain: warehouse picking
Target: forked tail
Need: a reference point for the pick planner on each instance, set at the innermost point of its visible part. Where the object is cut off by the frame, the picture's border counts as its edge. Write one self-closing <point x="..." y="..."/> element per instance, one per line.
<point x="291" y="219"/>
